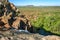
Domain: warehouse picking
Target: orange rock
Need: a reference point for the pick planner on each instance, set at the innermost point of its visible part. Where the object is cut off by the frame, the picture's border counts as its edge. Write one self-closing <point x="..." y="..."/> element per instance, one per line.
<point x="21" y="23"/>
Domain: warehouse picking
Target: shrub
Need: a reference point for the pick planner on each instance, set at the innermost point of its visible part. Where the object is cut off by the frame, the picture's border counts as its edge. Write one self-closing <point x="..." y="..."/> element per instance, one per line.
<point x="50" y="22"/>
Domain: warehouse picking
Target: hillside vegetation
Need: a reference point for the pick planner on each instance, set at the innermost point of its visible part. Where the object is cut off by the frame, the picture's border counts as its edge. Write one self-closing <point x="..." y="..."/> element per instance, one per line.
<point x="43" y="17"/>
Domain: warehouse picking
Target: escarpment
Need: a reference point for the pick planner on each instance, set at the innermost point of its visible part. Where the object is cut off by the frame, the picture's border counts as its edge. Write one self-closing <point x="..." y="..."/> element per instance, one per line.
<point x="10" y="17"/>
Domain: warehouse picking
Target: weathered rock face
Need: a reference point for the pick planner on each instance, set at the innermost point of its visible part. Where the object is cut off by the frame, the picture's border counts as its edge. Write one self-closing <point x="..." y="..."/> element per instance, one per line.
<point x="9" y="17"/>
<point x="5" y="13"/>
<point x="8" y="35"/>
<point x="13" y="35"/>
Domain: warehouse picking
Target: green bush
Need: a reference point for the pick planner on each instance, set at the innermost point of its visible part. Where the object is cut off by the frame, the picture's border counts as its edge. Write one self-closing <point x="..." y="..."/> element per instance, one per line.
<point x="38" y="22"/>
<point x="50" y="22"/>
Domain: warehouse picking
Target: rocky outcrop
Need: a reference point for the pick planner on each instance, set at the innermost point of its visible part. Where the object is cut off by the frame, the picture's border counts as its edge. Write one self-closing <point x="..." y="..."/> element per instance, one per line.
<point x="14" y="35"/>
<point x="10" y="17"/>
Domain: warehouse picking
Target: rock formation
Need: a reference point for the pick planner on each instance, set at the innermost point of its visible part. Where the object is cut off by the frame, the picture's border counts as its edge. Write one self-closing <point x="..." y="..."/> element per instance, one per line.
<point x="10" y="17"/>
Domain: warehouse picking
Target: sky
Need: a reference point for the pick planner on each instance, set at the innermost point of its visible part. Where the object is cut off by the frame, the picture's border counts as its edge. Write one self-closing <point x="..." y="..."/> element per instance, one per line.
<point x="36" y="2"/>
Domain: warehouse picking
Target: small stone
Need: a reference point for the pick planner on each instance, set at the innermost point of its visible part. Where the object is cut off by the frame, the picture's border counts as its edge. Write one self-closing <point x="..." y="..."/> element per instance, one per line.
<point x="6" y="38"/>
<point x="2" y="38"/>
<point x="31" y="38"/>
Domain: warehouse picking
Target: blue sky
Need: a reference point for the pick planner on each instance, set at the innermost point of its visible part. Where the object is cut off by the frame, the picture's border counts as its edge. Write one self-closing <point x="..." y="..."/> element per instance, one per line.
<point x="36" y="2"/>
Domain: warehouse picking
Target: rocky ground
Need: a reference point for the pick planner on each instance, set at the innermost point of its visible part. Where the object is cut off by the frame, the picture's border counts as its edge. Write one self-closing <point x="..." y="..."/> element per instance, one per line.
<point x="14" y="35"/>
